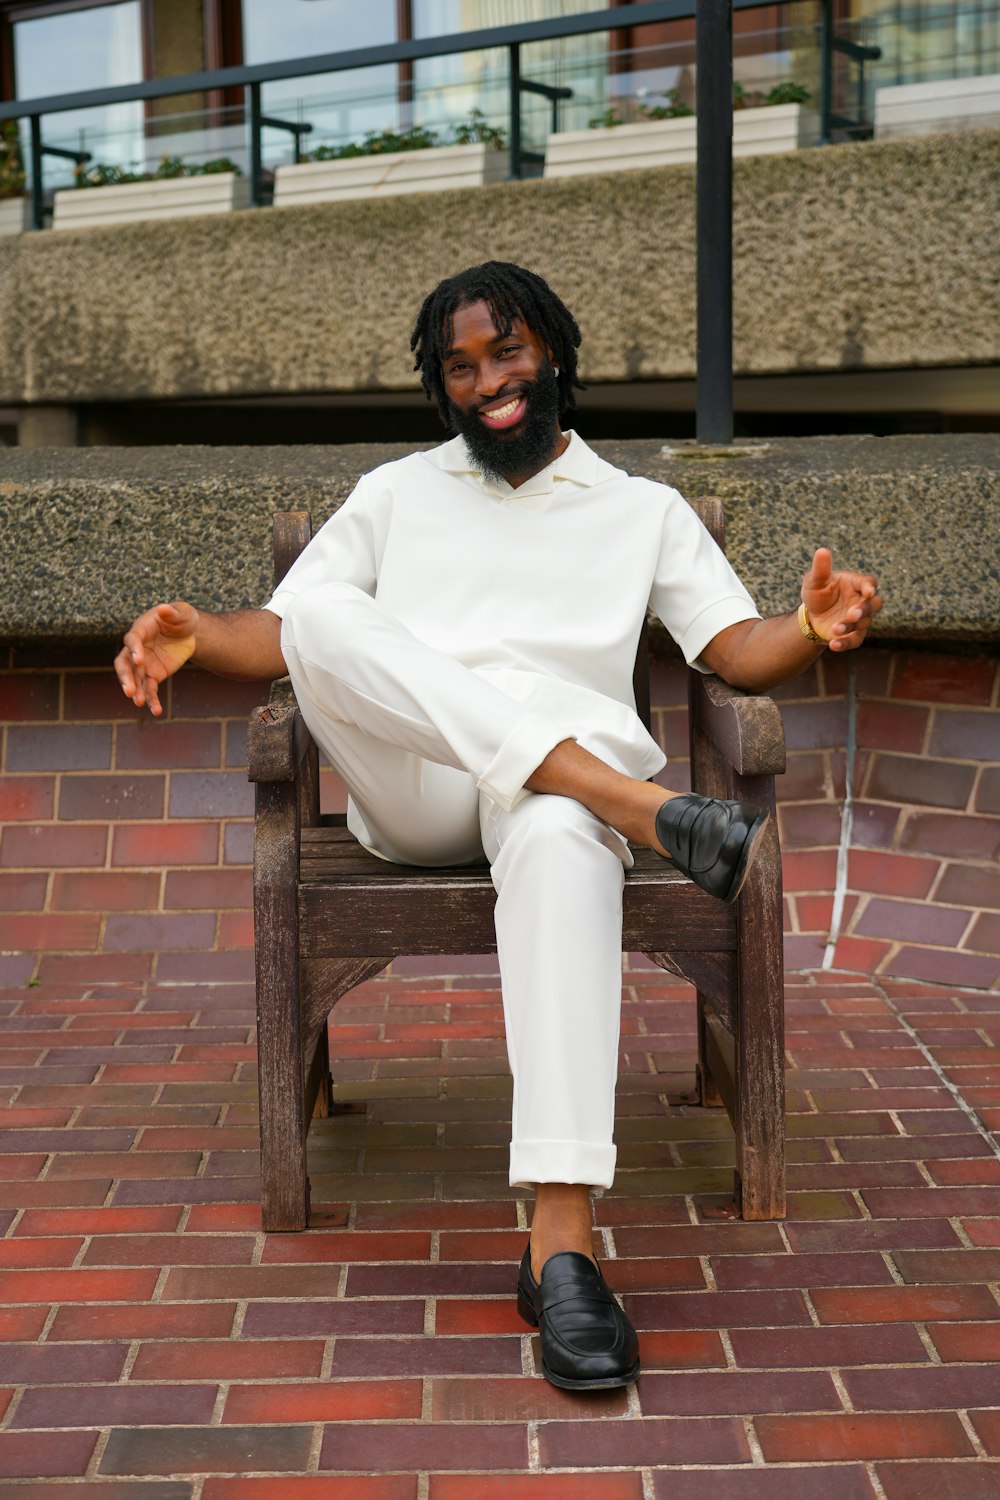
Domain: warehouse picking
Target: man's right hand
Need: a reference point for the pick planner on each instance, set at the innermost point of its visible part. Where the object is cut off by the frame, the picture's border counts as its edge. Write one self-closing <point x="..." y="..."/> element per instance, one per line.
<point x="157" y="645"/>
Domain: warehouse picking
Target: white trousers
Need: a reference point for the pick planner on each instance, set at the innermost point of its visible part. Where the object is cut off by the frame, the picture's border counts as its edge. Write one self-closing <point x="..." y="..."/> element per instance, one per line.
<point x="435" y="759"/>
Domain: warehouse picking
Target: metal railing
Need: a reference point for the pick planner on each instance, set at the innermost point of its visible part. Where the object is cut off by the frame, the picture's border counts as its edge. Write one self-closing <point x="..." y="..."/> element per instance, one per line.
<point x="251" y="77"/>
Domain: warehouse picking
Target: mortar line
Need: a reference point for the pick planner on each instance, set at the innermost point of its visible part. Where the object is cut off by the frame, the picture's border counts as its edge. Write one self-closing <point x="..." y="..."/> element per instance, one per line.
<point x="846" y="821"/>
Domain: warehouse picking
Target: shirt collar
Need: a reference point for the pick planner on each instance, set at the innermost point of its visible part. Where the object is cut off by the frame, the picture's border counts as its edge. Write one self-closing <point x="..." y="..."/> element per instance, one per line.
<point x="578" y="463"/>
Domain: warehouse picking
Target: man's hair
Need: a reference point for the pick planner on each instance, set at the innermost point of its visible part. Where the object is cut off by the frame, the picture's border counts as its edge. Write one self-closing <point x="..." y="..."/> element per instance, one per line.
<point x="509" y="291"/>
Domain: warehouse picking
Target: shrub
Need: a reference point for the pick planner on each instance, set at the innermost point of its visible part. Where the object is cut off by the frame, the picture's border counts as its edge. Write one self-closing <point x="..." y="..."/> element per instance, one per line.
<point x="11" y="166"/>
<point x="105" y="174"/>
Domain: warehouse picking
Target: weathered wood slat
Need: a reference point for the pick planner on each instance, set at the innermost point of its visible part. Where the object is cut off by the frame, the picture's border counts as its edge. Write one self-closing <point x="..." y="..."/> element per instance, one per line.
<point x="325" y="980"/>
<point x="720" y="1052"/>
<point x="712" y="974"/>
<point x="746" y="728"/>
<point x="277" y="743"/>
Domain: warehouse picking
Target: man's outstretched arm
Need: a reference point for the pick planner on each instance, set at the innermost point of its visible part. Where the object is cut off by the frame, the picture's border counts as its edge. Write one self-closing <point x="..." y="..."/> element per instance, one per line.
<point x="758" y="654"/>
<point x="244" y="644"/>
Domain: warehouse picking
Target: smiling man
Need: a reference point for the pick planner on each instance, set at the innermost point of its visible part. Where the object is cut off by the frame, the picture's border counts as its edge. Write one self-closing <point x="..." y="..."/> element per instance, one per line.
<point x="461" y="636"/>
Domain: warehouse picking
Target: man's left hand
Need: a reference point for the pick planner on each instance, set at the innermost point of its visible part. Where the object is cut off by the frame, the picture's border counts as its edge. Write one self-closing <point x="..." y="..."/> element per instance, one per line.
<point x="841" y="605"/>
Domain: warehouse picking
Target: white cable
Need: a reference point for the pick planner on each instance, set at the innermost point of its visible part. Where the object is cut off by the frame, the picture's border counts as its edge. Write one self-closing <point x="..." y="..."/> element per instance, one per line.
<point x="846" y="821"/>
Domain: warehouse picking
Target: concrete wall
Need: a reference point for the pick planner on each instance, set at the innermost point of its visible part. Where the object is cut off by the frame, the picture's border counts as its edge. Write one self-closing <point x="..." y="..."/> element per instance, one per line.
<point x="877" y="255"/>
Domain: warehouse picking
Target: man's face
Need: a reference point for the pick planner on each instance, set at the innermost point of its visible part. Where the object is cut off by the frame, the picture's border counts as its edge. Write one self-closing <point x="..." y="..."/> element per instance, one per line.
<point x="502" y="394"/>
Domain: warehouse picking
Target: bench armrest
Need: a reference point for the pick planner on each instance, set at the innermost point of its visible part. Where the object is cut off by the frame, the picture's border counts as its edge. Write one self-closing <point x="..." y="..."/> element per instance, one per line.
<point x="745" y="727"/>
<point x="277" y="738"/>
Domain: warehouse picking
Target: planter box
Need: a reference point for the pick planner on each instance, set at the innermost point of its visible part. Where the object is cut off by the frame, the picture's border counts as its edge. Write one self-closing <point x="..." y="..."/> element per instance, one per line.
<point x="927" y="108"/>
<point x="387" y="173"/>
<point x="665" y="143"/>
<point x="128" y="202"/>
<point x="14" y="215"/>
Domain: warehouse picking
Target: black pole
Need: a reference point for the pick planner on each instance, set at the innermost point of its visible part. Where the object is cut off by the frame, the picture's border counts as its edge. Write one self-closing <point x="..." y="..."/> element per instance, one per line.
<point x="714" y="54"/>
<point x="255" y="146"/>
<point x="37" y="205"/>
<point x="515" y="111"/>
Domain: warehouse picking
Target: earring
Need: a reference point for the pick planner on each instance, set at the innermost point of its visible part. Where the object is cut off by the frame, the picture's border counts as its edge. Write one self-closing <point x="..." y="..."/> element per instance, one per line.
<point x="555" y="369"/>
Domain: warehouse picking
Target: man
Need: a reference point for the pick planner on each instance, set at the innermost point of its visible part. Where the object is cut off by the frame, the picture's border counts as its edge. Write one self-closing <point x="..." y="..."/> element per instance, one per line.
<point x="460" y="636"/>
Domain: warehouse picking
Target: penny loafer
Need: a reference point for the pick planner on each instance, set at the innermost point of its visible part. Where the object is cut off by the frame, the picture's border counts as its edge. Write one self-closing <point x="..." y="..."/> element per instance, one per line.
<point x="588" y="1344"/>
<point x="713" y="841"/>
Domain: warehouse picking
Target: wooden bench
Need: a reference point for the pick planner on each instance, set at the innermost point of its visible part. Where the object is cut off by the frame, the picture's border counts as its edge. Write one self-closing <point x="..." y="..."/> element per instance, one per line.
<point x="328" y="915"/>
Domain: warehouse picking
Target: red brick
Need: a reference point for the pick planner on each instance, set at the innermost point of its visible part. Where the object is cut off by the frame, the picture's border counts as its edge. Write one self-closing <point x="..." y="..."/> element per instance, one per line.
<point x="195" y="1321"/>
<point x="982" y="1170"/>
<point x="944" y="1267"/>
<point x="809" y="870"/>
<point x="864" y="1435"/>
<point x="987" y="1425"/>
<point x="30" y="1455"/>
<point x="76" y="1286"/>
<point x="969" y="885"/>
<point x="985" y="934"/>
<point x="933" y="678"/>
<point x="133" y="934"/>
<point x="481" y="1316"/>
<point x="29" y="695"/>
<point x="962" y="1342"/>
<point x="100" y="1221"/>
<point x="906" y="1304"/>
<point x="216" y="1217"/>
<point x="890" y="874"/>
<point x="305" y="1487"/>
<point x="47" y="1194"/>
<point x="169" y="1250"/>
<point x="95" y="695"/>
<point x="49" y="930"/>
<point x="802" y="1270"/>
<point x="810" y="726"/>
<point x="412" y="1447"/>
<point x="861" y="954"/>
<point x="952" y="834"/>
<point x="236" y="931"/>
<point x="34" y="846"/>
<point x="971" y="1480"/>
<point x="58" y="747"/>
<point x="22" y="892"/>
<point x="103" y="891"/>
<point x="985" y="1232"/>
<point x="92" y="797"/>
<point x="916" y="921"/>
<point x="152" y="744"/>
<point x="535" y="1487"/>
<point x="945" y="966"/>
<point x="785" y="1348"/>
<point x="642" y="1442"/>
<point x="332" y="1401"/>
<point x="228" y="1359"/>
<point x="154" y="844"/>
<point x="204" y="1450"/>
<point x="97" y="968"/>
<point x="37" y="1253"/>
<point x="191" y="889"/>
<point x="26" y="797"/>
<point x="918" y="779"/>
<point x="891" y="726"/>
<point x="687" y="1310"/>
<point x="196" y="1284"/>
<point x="805" y="779"/>
<point x="943" y="1202"/>
<point x="317" y="1247"/>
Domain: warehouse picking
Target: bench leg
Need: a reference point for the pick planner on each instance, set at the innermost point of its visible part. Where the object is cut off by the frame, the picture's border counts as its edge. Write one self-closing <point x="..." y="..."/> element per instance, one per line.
<point x="760" y="1062"/>
<point x="706" y="1088"/>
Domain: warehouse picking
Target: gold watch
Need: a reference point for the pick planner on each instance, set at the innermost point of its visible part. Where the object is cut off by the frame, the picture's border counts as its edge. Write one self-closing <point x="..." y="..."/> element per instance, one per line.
<point x="808" y="629"/>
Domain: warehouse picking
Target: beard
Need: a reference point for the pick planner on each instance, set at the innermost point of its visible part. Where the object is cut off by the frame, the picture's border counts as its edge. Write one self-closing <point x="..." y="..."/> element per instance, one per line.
<point x="531" y="446"/>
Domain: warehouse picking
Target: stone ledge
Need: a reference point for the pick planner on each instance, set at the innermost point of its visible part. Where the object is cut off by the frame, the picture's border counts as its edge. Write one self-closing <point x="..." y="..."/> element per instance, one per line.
<point x="90" y="537"/>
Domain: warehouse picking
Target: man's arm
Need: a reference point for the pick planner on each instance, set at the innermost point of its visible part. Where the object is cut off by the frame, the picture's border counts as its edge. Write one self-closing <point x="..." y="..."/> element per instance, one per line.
<point x="244" y="644"/>
<point x="758" y="654"/>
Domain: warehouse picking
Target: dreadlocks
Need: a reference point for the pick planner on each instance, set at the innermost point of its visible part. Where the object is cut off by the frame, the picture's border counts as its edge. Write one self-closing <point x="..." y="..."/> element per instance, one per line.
<point x="509" y="291"/>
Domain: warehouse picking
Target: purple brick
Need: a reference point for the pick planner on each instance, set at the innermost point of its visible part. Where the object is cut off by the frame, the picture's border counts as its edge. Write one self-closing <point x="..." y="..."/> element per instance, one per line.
<point x="127" y="933"/>
<point x="238" y="844"/>
<point x="966" y="734"/>
<point x="92" y="798"/>
<point x="210" y="794"/>
<point x="58" y="747"/>
<point x="116" y="1405"/>
<point x="917" y="921"/>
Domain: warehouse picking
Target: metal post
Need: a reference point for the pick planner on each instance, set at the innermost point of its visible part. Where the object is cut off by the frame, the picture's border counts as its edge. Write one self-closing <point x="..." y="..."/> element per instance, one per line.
<point x="255" y="151"/>
<point x="826" y="72"/>
<point x="515" y="111"/>
<point x="37" y="206"/>
<point x="714" y="55"/>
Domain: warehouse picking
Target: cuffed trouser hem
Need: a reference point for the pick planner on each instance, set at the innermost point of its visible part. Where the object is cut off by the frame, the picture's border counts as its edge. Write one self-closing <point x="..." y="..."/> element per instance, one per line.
<point x="562" y="1161"/>
<point x="522" y="752"/>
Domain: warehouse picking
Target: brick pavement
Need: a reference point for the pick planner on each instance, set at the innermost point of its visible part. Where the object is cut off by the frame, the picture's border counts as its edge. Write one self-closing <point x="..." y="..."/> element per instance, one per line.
<point x="156" y="1344"/>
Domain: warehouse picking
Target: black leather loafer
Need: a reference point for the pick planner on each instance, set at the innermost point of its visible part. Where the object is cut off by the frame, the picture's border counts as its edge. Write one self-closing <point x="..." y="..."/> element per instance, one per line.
<point x="588" y="1344"/>
<point x="712" y="841"/>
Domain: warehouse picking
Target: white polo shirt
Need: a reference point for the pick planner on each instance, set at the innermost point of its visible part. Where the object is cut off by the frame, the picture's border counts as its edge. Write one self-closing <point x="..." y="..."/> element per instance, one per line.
<point x="543" y="589"/>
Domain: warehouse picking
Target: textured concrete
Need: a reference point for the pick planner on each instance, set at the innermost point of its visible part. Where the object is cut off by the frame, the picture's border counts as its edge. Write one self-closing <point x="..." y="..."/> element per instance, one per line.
<point x="88" y="537"/>
<point x="877" y="255"/>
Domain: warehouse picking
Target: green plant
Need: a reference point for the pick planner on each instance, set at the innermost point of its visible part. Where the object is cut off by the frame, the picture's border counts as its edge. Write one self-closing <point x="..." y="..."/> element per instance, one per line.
<point x="675" y="108"/>
<point x="11" y="166"/>
<point x="788" y="93"/>
<point x="377" y="143"/>
<point x="105" y="174"/>
<point x="477" y="130"/>
<point x="605" y="119"/>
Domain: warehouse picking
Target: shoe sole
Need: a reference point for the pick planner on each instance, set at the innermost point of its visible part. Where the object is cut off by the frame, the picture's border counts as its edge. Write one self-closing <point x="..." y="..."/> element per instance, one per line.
<point x="612" y="1382"/>
<point x="748" y="855"/>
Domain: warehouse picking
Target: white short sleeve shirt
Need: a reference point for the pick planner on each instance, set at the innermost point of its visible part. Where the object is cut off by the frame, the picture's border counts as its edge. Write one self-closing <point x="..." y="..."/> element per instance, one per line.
<point x="542" y="589"/>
